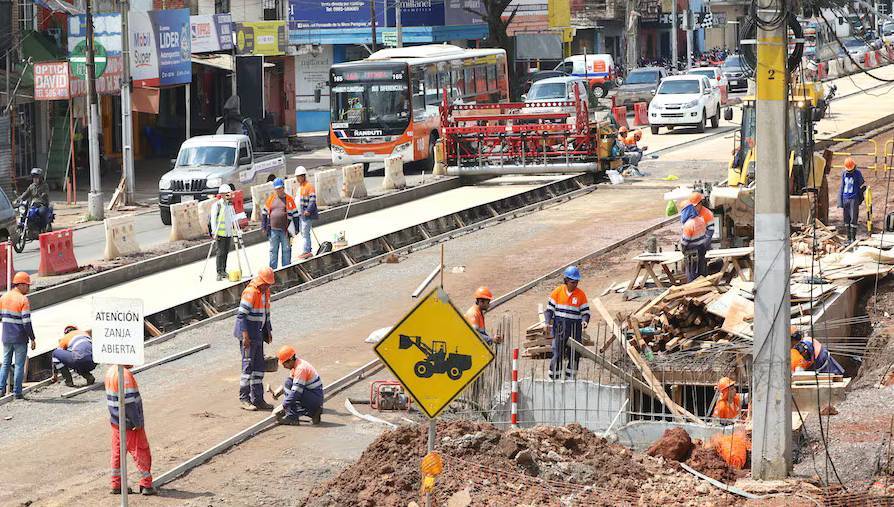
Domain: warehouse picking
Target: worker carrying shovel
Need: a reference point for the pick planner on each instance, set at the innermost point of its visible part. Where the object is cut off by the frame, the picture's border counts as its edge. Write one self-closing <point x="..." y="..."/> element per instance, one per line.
<point x="567" y="315"/>
<point x="303" y="389"/>
<point x="254" y="329"/>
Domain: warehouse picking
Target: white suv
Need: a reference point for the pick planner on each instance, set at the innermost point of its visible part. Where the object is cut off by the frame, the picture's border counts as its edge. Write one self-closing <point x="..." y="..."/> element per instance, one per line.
<point x="686" y="100"/>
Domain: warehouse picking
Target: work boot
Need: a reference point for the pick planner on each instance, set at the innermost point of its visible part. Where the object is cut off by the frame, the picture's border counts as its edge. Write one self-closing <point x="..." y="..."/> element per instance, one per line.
<point x="66" y="375"/>
<point x="150" y="491"/>
<point x="221" y="276"/>
<point x="117" y="491"/>
<point x="19" y="396"/>
<point x="290" y="421"/>
<point x="315" y="419"/>
<point x="89" y="378"/>
<point x="263" y="405"/>
<point x="246" y="405"/>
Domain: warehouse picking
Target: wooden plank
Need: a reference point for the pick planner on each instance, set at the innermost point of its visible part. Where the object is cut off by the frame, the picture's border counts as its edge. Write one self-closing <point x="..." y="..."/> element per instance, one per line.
<point x="658" y="388"/>
<point x="657" y="299"/>
<point x="603" y="312"/>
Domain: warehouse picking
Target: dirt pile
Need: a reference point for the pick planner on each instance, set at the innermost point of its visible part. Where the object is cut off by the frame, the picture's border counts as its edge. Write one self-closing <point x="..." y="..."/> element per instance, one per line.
<point x="707" y="461"/>
<point x="540" y="466"/>
<point x="674" y="444"/>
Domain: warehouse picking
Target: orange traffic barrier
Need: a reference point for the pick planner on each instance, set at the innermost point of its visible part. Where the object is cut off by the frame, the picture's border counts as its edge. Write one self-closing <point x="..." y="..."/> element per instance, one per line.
<point x="620" y="114"/>
<point x="890" y="53"/>
<point x="239" y="207"/>
<point x="640" y="114"/>
<point x="724" y="94"/>
<point x="821" y="71"/>
<point x="9" y="270"/>
<point x="57" y="255"/>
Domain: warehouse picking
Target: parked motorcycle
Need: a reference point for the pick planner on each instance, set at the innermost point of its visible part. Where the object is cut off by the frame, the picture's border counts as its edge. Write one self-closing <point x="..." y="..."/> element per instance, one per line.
<point x="29" y="225"/>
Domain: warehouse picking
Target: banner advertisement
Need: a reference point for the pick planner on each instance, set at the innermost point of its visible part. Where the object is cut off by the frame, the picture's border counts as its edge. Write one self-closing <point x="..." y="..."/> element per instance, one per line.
<point x="51" y="81"/>
<point x="333" y="14"/>
<point x="261" y="38"/>
<point x="312" y="74"/>
<point x="210" y="33"/>
<point x="160" y="45"/>
<point x="106" y="31"/>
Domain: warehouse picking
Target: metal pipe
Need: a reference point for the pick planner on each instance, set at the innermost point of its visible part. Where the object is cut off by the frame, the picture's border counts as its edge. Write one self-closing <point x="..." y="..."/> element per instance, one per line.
<point x="487" y="170"/>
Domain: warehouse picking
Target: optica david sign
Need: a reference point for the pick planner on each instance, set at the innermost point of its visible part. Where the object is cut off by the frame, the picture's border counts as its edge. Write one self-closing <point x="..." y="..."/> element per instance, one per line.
<point x="160" y="46"/>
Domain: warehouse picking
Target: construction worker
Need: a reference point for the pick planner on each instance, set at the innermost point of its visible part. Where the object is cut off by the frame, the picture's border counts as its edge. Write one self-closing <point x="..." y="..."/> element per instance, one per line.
<point x="814" y="357"/>
<point x="137" y="443"/>
<point x="221" y="226"/>
<point x="475" y="314"/>
<point x="75" y="352"/>
<point x="254" y="329"/>
<point x="729" y="404"/>
<point x="279" y="209"/>
<point x="308" y="211"/>
<point x="633" y="153"/>
<point x="693" y="241"/>
<point x="567" y="315"/>
<point x="850" y="197"/>
<point x="303" y="389"/>
<point x="15" y="313"/>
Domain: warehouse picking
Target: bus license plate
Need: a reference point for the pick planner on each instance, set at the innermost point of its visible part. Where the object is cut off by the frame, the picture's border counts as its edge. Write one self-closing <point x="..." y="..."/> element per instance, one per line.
<point x="186" y="198"/>
<point x="369" y="154"/>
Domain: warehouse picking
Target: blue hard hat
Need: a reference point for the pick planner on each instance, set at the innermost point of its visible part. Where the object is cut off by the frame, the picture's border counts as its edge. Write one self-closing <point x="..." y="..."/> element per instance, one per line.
<point x="572" y="273"/>
<point x="278" y="183"/>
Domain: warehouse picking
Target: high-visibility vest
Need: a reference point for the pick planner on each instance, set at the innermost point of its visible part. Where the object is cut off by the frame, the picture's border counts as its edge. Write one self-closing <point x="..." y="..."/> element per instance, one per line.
<point x="133" y="410"/>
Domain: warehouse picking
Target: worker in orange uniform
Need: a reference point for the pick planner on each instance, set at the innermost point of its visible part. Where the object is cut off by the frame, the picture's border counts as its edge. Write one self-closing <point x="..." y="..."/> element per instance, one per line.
<point x="729" y="404"/>
<point x="698" y="201"/>
<point x="307" y="209"/>
<point x="254" y="329"/>
<point x="567" y="315"/>
<point x="137" y="443"/>
<point x="475" y="314"/>
<point x="813" y="355"/>
<point x="15" y="313"/>
<point x="75" y="352"/>
<point x="693" y="240"/>
<point x="303" y="388"/>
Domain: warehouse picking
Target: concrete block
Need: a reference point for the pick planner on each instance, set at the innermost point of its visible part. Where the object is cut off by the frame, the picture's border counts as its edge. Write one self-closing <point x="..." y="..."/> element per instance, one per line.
<point x="354" y="184"/>
<point x="121" y="237"/>
<point x="834" y="69"/>
<point x="328" y="184"/>
<point x="394" y="174"/>
<point x="185" y="222"/>
<point x="259" y="194"/>
<point x="205" y="211"/>
<point x="440" y="159"/>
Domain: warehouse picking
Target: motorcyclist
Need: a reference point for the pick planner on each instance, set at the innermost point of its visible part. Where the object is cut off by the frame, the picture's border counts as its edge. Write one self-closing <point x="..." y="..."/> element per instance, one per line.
<point x="38" y="192"/>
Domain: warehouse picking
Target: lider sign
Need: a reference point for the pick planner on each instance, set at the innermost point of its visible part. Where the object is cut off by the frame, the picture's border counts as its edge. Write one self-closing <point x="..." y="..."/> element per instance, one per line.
<point x="118" y="331"/>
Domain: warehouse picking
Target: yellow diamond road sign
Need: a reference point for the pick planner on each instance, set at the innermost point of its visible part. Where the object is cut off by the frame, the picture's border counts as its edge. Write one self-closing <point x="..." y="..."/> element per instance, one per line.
<point x="434" y="352"/>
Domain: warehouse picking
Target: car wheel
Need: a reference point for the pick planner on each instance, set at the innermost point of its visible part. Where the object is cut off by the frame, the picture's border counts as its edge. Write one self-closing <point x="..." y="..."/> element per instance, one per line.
<point x="700" y="126"/>
<point x="165" y="215"/>
<point x="654" y="129"/>
<point x="600" y="91"/>
<point x="715" y="120"/>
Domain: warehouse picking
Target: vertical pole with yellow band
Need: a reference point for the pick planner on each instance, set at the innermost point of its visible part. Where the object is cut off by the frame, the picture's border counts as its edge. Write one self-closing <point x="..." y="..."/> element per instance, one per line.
<point x="771" y="382"/>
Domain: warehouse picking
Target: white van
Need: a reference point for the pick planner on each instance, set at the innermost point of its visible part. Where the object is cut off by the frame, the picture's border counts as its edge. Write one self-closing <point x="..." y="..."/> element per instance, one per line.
<point x="599" y="70"/>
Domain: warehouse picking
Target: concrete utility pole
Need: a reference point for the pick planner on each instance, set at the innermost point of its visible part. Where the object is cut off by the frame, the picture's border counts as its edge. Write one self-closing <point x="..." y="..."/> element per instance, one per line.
<point x="688" y="27"/>
<point x="397" y="24"/>
<point x="94" y="198"/>
<point x="126" y="111"/>
<point x="674" y="31"/>
<point x="632" y="32"/>
<point x="372" y="17"/>
<point x="771" y="384"/>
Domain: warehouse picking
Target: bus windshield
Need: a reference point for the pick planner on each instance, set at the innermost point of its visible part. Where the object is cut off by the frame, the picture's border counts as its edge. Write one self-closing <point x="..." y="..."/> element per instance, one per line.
<point x="371" y="105"/>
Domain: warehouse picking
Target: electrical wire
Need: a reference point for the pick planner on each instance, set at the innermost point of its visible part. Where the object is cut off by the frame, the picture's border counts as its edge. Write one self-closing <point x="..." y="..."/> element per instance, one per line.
<point x="847" y="54"/>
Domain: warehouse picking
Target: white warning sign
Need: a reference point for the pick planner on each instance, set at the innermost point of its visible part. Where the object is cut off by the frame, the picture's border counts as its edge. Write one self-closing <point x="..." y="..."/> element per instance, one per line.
<point x="118" y="331"/>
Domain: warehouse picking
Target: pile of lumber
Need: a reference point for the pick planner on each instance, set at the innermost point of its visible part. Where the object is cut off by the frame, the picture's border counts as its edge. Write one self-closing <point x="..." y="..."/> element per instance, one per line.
<point x="827" y="240"/>
<point x="538" y="344"/>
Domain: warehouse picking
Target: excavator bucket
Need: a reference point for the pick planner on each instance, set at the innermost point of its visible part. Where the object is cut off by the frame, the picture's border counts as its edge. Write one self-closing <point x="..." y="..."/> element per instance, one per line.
<point x="405" y="342"/>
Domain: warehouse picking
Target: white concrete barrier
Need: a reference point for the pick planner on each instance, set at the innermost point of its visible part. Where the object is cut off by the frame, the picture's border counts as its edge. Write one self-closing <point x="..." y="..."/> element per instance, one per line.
<point x="394" y="174"/>
<point x="354" y="184"/>
<point x="205" y="211"/>
<point x="259" y="194"/>
<point x="185" y="222"/>
<point x="328" y="185"/>
<point x="121" y="237"/>
<point x="834" y="69"/>
<point x="848" y="65"/>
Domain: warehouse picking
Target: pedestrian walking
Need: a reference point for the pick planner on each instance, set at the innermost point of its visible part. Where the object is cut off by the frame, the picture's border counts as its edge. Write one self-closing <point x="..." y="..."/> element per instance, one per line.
<point x="850" y="197"/>
<point x="567" y="315"/>
<point x="303" y="388"/>
<point x="221" y="227"/>
<point x="75" y="352"/>
<point x="135" y="427"/>
<point x="278" y="211"/>
<point x="15" y="314"/>
<point x="308" y="211"/>
<point x="475" y="314"/>
<point x="254" y="329"/>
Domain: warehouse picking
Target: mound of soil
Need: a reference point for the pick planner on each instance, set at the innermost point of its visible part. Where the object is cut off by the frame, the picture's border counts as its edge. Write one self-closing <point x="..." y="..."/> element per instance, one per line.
<point x="675" y="444"/>
<point x="537" y="466"/>
<point x="707" y="461"/>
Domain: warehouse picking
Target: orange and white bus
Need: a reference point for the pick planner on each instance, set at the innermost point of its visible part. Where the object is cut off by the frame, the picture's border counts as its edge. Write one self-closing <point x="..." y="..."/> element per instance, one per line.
<point x="388" y="104"/>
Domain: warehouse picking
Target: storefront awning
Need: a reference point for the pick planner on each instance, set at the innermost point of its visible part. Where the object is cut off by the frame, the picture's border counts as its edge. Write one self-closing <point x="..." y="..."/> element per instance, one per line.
<point x="220" y="61"/>
<point x="39" y="48"/>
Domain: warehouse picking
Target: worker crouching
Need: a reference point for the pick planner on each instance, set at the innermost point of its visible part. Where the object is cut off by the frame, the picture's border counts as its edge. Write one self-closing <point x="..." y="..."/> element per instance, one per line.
<point x="254" y="328"/>
<point x="303" y="389"/>
<point x="567" y="315"/>
<point x="808" y="354"/>
<point x="75" y="352"/>
<point x="137" y="443"/>
<point x="695" y="239"/>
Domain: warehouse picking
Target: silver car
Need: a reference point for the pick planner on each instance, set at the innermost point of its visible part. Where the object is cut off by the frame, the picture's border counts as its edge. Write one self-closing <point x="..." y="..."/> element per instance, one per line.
<point x="640" y="85"/>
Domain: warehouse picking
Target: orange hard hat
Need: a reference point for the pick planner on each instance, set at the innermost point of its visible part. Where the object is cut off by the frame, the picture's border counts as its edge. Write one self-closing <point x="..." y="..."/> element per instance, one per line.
<point x="285" y="353"/>
<point x="638" y="135"/>
<point x="484" y="293"/>
<point x="622" y="130"/>
<point x="696" y="198"/>
<point x="850" y="163"/>
<point x="21" y="277"/>
<point x="725" y="383"/>
<point x="265" y="275"/>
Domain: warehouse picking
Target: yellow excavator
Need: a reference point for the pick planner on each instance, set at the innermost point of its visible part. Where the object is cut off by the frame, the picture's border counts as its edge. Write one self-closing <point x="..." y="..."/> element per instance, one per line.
<point x="734" y="201"/>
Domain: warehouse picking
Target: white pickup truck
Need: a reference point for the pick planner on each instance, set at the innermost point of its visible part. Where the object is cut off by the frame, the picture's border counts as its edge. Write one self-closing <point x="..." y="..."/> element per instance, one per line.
<point x="204" y="163"/>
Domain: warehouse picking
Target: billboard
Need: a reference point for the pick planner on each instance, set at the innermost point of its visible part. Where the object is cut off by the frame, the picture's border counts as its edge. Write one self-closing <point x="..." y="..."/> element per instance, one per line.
<point x="261" y="38"/>
<point x="210" y="33"/>
<point x="333" y="14"/>
<point x="455" y="12"/>
<point x="106" y="31"/>
<point x="160" y="48"/>
<point x="417" y="13"/>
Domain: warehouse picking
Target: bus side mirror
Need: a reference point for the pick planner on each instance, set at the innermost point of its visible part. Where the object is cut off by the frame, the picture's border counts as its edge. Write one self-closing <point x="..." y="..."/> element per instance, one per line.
<point x="728" y="114"/>
<point x="318" y="93"/>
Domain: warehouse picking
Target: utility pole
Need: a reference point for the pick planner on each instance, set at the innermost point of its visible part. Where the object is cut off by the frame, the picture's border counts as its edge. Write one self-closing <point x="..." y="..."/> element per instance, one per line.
<point x="674" y="31"/>
<point x="632" y="32"/>
<point x="126" y="111"/>
<point x="687" y="14"/>
<point x="771" y="384"/>
<point x="397" y="24"/>
<point x="372" y="15"/>
<point x="94" y="198"/>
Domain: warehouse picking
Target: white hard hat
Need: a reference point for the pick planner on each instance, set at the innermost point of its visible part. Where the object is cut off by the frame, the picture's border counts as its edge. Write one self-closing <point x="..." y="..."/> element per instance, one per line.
<point x="300" y="171"/>
<point x="225" y="189"/>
